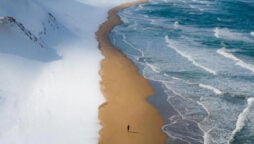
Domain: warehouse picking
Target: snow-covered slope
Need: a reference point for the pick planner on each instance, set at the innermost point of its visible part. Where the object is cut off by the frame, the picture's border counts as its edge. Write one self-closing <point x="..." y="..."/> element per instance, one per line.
<point x="49" y="63"/>
<point x="16" y="39"/>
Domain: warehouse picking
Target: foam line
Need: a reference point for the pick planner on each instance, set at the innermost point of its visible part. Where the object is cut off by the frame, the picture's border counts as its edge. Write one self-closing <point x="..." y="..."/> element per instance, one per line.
<point x="215" y="90"/>
<point x="228" y="34"/>
<point x="238" y="61"/>
<point x="170" y="44"/>
<point x="252" y="34"/>
<point x="242" y="119"/>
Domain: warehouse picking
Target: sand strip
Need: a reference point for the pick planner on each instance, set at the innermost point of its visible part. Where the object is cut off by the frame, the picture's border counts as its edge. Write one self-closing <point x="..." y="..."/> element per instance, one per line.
<point x="126" y="117"/>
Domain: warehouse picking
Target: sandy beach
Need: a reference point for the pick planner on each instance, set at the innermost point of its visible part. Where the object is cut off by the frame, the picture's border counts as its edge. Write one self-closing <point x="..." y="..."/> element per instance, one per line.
<point x="126" y="117"/>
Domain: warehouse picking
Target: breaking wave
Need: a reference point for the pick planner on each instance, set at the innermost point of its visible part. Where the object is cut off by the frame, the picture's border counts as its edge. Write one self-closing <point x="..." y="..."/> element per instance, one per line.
<point x="215" y="90"/>
<point x="225" y="33"/>
<point x="242" y="119"/>
<point x="194" y="62"/>
<point x="239" y="62"/>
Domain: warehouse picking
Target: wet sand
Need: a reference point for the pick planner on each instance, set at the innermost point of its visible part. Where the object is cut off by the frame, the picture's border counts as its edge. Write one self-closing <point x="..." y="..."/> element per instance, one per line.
<point x="126" y="93"/>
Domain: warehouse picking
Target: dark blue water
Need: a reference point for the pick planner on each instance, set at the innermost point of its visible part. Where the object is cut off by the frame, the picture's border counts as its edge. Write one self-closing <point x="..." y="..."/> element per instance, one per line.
<point x="199" y="56"/>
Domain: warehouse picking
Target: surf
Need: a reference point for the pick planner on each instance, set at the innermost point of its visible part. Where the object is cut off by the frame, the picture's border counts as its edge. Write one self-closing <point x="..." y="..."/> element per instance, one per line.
<point x="242" y="118"/>
<point x="215" y="90"/>
<point x="189" y="58"/>
<point x="224" y="52"/>
<point x="227" y="34"/>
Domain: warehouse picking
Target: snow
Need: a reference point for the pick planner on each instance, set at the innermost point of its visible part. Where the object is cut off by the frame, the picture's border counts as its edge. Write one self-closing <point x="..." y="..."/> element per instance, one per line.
<point x="51" y="94"/>
<point x="27" y="12"/>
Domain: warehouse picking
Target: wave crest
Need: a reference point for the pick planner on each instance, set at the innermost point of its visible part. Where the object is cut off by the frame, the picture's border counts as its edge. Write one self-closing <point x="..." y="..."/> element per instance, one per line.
<point x="225" y="33"/>
<point x="239" y="62"/>
<point x="183" y="54"/>
<point x="215" y="90"/>
<point x="242" y="119"/>
<point x="252" y="34"/>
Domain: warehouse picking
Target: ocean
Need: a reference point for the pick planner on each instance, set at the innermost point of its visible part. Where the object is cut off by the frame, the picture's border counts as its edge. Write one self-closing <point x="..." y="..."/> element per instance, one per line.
<point x="199" y="57"/>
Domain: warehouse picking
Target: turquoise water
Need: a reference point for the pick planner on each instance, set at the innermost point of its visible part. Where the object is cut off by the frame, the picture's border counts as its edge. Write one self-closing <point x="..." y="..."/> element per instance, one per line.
<point x="200" y="55"/>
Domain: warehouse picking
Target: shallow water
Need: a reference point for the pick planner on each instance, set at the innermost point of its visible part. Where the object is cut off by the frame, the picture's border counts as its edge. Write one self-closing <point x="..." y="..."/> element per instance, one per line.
<point x="199" y="54"/>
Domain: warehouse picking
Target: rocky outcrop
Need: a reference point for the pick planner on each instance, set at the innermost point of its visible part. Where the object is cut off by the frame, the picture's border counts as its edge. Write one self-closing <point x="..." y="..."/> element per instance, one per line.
<point x="50" y="23"/>
<point x="6" y="20"/>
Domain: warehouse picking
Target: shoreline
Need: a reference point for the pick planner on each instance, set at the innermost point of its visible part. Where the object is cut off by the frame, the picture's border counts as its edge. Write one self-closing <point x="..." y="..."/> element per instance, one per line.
<point x="126" y="116"/>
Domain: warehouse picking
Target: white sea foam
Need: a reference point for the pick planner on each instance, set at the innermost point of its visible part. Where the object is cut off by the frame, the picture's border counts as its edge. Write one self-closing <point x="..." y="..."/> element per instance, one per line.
<point x="215" y="90"/>
<point x="175" y="78"/>
<point x="219" y="19"/>
<point x="176" y="25"/>
<point x="206" y="138"/>
<point x="146" y="16"/>
<point x="206" y="133"/>
<point x="252" y="34"/>
<point x="239" y="62"/>
<point x="131" y="45"/>
<point x="153" y="21"/>
<point x="228" y="34"/>
<point x="192" y="6"/>
<point x="140" y="6"/>
<point x="242" y="118"/>
<point x="226" y="54"/>
<point x="194" y="62"/>
<point x="209" y="87"/>
<point x="216" y="32"/>
<point x="154" y="68"/>
<point x="196" y="7"/>
<point x="224" y="20"/>
<point x="245" y="65"/>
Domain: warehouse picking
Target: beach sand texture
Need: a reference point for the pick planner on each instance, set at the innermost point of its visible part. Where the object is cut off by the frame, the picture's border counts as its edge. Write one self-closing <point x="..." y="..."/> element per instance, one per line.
<point x="126" y="93"/>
